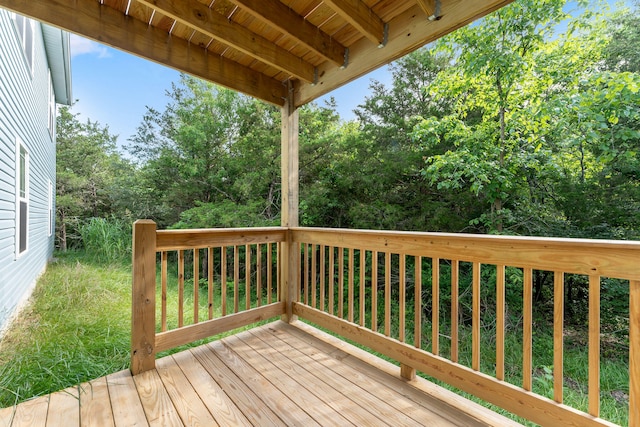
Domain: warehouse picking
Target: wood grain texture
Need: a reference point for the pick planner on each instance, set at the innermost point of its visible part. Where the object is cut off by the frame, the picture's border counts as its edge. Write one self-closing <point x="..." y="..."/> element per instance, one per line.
<point x="155" y="400"/>
<point x="94" y="403"/>
<point x="34" y="412"/>
<point x="125" y="401"/>
<point x="143" y="306"/>
<point x="580" y="256"/>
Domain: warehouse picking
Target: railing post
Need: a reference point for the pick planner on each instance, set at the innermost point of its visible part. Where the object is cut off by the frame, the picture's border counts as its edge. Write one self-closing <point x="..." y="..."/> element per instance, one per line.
<point x="634" y="353"/>
<point x="143" y="302"/>
<point x="290" y="256"/>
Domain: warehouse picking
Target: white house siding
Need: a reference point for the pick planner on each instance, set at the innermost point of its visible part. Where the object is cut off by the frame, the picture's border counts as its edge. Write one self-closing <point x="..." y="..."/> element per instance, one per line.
<point x="24" y="112"/>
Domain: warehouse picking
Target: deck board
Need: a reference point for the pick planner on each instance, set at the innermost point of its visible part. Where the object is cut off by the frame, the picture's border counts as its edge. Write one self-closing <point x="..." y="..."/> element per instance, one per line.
<point x="94" y="403"/>
<point x="32" y="412"/>
<point x="273" y="375"/>
<point x="155" y="400"/>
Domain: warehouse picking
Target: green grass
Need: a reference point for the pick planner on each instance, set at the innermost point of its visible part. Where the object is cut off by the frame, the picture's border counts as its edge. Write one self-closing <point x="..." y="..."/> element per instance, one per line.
<point x="77" y="325"/>
<point x="75" y="328"/>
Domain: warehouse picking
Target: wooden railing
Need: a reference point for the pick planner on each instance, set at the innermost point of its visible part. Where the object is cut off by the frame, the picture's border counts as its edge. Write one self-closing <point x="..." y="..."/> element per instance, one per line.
<point x="370" y="286"/>
<point x="206" y="281"/>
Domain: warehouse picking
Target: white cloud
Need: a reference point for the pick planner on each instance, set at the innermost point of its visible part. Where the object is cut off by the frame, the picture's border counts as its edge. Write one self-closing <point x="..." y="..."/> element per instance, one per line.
<point x="81" y="46"/>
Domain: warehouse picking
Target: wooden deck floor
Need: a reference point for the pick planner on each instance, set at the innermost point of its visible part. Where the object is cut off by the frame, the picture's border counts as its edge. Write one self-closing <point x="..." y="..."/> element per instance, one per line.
<point x="273" y="375"/>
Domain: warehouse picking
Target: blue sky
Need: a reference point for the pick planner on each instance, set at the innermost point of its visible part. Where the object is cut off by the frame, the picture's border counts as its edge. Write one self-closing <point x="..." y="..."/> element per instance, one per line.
<point x="114" y="88"/>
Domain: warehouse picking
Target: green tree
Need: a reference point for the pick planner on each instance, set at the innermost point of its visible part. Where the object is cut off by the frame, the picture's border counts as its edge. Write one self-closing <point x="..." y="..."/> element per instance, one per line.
<point x="86" y="162"/>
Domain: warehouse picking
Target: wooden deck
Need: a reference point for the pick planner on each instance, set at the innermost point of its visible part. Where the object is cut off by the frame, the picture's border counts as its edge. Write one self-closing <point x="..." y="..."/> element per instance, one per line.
<point x="277" y="374"/>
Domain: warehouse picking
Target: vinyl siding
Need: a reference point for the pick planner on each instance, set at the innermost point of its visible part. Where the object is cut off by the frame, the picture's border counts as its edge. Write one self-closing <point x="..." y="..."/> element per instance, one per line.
<point x="23" y="115"/>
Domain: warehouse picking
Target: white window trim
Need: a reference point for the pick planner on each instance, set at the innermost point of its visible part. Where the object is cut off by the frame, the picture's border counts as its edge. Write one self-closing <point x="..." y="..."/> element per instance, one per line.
<point x="29" y="25"/>
<point x="19" y="145"/>
<point x="51" y="124"/>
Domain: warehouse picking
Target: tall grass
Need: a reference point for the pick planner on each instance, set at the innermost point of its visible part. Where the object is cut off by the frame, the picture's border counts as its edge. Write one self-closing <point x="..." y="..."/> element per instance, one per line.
<point x="107" y="239"/>
<point x="75" y="328"/>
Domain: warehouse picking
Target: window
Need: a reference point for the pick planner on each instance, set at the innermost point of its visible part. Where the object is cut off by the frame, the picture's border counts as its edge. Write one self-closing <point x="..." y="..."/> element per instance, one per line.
<point x="52" y="109"/>
<point x="22" y="197"/>
<point x="25" y="28"/>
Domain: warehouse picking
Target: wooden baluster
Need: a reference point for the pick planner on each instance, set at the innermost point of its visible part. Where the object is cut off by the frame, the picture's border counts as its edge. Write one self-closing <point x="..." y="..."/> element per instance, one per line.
<point x="247" y="277"/>
<point x="210" y="281"/>
<point x="594" y="345"/>
<point x="223" y="280"/>
<point x="417" y="321"/>
<point x="527" y="339"/>
<point x="362" y="284"/>
<point x="143" y="307"/>
<point x="387" y="294"/>
<point x="269" y="272"/>
<point x="558" y="335"/>
<point x="180" y="288"/>
<point x="634" y="352"/>
<point x="322" y="277"/>
<point x="374" y="291"/>
<point x="306" y="273"/>
<point x="236" y="279"/>
<point x="163" y="284"/>
<point x="350" y="290"/>
<point x="500" y="325"/>
<point x="314" y="285"/>
<point x="475" y="318"/>
<point x="402" y="298"/>
<point x="196" y="285"/>
<point x="259" y="274"/>
<point x="341" y="283"/>
<point x="455" y="301"/>
<point x="435" y="307"/>
<point x="332" y="267"/>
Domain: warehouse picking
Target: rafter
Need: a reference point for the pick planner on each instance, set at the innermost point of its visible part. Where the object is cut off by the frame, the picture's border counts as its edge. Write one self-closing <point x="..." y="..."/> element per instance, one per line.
<point x="407" y="32"/>
<point x="109" y="26"/>
<point x="289" y="22"/>
<point x="430" y="8"/>
<point x="361" y="17"/>
<point x="212" y="24"/>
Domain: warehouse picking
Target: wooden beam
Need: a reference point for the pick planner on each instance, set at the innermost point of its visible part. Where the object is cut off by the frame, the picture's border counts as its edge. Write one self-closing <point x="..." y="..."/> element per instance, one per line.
<point x="407" y="32"/>
<point x="356" y="13"/>
<point x="111" y="27"/>
<point x="289" y="22"/>
<point x="212" y="24"/>
<point x="430" y="8"/>
<point x="143" y="299"/>
<point x="290" y="259"/>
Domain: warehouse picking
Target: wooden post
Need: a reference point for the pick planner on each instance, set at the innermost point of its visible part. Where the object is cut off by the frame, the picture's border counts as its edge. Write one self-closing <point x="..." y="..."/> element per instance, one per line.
<point x="634" y="353"/>
<point x="290" y="258"/>
<point x="143" y="302"/>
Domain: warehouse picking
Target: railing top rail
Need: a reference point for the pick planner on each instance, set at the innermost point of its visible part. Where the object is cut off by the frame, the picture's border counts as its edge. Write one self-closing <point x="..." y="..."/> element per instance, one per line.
<point x="167" y="240"/>
<point x="612" y="258"/>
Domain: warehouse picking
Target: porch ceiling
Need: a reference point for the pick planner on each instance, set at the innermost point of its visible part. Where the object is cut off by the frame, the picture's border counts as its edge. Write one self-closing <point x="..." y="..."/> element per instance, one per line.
<point x="258" y="46"/>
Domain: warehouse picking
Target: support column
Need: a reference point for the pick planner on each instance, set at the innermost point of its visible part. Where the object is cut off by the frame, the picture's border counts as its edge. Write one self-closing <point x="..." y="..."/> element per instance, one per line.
<point x="290" y="258"/>
<point x="143" y="303"/>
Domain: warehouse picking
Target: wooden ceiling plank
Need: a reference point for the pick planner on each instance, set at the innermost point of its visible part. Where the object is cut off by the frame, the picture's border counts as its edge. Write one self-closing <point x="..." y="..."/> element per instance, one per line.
<point x="407" y="32"/>
<point x="356" y="13"/>
<point x="289" y="22"/>
<point x="214" y="25"/>
<point x="106" y="25"/>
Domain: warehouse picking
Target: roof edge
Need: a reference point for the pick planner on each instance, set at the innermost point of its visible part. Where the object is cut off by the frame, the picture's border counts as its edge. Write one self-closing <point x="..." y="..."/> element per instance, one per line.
<point x="58" y="53"/>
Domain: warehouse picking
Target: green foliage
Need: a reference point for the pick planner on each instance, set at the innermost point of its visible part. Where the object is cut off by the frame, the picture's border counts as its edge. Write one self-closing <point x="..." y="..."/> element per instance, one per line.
<point x="107" y="240"/>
